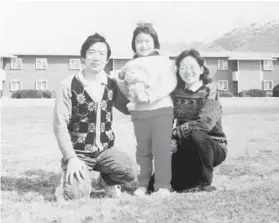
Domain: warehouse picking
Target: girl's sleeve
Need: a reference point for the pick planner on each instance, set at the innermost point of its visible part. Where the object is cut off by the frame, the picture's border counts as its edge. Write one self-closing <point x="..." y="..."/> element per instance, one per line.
<point x="166" y="82"/>
<point x="61" y="119"/>
<point x="209" y="115"/>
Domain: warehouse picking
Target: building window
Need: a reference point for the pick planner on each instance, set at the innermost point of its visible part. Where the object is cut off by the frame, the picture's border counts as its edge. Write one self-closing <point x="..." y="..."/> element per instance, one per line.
<point x="41" y="85"/>
<point x="268" y="65"/>
<point x="74" y="64"/>
<point x="41" y="63"/>
<point x="268" y="84"/>
<point x="222" y="65"/>
<point x="118" y="64"/>
<point x="222" y="85"/>
<point x="15" y="85"/>
<point x="16" y="63"/>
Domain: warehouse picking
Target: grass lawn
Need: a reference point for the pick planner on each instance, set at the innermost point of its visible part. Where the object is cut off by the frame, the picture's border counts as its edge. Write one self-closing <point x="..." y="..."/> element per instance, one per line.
<point x="247" y="182"/>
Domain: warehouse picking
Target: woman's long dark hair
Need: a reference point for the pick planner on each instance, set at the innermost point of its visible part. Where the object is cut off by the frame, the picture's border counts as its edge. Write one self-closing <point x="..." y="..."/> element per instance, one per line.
<point x="194" y="53"/>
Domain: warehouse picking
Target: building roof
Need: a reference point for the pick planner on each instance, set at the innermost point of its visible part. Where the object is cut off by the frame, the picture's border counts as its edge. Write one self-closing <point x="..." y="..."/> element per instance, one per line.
<point x="253" y="56"/>
<point x="128" y="54"/>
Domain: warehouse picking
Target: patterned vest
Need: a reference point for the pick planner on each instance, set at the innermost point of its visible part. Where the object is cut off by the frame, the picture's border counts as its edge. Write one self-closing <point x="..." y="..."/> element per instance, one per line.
<point x="82" y="126"/>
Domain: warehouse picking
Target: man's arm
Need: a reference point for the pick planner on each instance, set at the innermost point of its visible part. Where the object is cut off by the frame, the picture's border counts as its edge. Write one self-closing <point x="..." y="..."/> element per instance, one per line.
<point x="62" y="114"/>
<point x="120" y="100"/>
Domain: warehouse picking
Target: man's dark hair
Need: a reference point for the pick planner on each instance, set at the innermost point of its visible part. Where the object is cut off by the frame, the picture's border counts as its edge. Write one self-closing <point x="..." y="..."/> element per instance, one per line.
<point x="91" y="40"/>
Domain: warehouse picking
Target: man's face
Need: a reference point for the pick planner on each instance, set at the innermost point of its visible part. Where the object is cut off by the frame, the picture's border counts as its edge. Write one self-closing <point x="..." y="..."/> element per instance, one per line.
<point x="96" y="57"/>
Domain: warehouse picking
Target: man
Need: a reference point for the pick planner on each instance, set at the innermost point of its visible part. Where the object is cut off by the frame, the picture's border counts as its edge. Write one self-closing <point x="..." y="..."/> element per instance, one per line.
<point x="83" y="127"/>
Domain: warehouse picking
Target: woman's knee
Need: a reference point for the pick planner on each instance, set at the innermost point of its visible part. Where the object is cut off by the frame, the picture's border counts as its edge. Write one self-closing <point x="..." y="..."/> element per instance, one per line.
<point x="197" y="136"/>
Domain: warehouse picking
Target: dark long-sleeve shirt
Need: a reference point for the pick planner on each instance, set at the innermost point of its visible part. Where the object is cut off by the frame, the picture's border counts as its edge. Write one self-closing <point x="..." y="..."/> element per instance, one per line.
<point x="199" y="110"/>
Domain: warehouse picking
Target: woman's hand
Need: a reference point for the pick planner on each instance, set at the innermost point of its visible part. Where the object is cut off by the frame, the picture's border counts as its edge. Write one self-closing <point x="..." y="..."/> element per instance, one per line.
<point x="75" y="167"/>
<point x="173" y="144"/>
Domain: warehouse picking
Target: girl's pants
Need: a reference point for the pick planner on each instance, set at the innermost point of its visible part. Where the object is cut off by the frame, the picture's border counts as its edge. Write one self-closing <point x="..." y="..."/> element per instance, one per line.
<point x="153" y="133"/>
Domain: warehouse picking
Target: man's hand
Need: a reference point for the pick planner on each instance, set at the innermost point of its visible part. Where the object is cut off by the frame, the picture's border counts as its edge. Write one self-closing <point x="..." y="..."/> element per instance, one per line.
<point x="75" y="167"/>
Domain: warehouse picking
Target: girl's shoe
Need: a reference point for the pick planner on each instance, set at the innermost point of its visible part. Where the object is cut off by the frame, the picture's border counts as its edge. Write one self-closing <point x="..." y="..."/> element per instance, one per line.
<point x="140" y="191"/>
<point x="162" y="192"/>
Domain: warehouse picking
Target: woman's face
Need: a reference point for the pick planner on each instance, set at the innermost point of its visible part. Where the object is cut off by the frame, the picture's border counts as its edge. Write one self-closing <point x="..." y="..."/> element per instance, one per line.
<point x="144" y="44"/>
<point x="189" y="70"/>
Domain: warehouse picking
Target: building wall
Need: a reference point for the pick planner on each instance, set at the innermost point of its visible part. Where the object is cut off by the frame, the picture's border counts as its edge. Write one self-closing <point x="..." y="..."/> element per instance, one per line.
<point x="215" y="74"/>
<point x="57" y="70"/>
<point x="274" y="74"/>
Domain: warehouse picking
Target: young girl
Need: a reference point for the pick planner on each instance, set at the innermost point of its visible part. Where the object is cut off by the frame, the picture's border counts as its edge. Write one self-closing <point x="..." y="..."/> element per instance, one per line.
<point x="152" y="114"/>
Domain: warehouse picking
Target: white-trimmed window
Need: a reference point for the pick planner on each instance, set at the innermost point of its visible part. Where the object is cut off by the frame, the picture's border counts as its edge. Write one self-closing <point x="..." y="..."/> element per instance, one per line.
<point x="267" y="65"/>
<point x="223" y="85"/>
<point x="268" y="84"/>
<point x="15" y="85"/>
<point x="74" y="64"/>
<point x="119" y="63"/>
<point x="222" y="65"/>
<point x="41" y="63"/>
<point x="16" y="63"/>
<point x="41" y="84"/>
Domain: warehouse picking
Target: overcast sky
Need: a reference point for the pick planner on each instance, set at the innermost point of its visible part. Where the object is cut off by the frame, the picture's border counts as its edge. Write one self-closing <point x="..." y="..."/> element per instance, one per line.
<point x="63" y="26"/>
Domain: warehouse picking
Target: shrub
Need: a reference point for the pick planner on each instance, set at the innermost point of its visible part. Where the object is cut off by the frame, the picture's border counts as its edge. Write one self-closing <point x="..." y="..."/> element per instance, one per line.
<point x="226" y="94"/>
<point x="253" y="93"/>
<point x="30" y="93"/>
<point x="275" y="91"/>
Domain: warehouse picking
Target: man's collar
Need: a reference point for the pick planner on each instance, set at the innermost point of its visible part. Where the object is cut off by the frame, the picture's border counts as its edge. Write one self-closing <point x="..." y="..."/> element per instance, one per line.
<point x="101" y="78"/>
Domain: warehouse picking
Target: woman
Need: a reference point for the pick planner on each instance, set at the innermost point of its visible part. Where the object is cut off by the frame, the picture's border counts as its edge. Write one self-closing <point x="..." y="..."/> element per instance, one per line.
<point x="201" y="142"/>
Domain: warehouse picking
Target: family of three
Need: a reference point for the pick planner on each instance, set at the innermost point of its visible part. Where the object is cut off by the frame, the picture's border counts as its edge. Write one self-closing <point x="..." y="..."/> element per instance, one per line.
<point x="176" y="116"/>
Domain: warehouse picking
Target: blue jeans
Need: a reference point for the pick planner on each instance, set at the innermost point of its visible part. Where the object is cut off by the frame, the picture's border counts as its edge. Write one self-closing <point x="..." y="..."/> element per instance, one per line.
<point x="115" y="167"/>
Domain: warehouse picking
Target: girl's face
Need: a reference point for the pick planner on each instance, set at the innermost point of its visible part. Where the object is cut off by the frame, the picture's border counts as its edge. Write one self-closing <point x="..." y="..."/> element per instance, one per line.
<point x="144" y="44"/>
<point x="189" y="70"/>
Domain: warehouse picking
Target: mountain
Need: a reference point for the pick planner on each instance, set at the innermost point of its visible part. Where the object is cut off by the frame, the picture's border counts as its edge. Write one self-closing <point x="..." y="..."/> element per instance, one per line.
<point x="255" y="37"/>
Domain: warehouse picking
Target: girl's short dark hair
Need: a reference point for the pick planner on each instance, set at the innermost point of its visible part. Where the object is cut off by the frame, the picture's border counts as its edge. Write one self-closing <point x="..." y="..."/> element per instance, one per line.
<point x="147" y="29"/>
<point x="96" y="38"/>
<point x="194" y="53"/>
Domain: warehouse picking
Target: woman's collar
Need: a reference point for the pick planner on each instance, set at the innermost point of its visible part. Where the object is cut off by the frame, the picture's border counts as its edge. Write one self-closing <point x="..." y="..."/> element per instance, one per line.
<point x="195" y="86"/>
